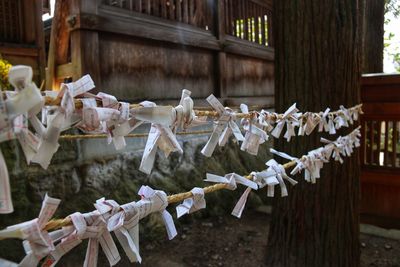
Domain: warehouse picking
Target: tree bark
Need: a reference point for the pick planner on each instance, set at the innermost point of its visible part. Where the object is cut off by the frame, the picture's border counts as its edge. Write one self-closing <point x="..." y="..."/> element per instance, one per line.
<point x="373" y="36"/>
<point x="317" y="65"/>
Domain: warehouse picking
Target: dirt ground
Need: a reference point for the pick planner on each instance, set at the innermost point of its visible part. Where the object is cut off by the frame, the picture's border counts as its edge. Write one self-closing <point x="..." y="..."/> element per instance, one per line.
<point x="227" y="241"/>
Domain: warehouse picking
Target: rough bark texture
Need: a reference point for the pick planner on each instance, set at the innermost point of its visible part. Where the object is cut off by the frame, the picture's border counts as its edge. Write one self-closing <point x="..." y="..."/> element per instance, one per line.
<point x="373" y="36"/>
<point x="318" y="51"/>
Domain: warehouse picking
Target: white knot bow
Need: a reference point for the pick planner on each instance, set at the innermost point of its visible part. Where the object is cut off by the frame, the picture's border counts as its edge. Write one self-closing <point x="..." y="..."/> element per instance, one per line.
<point x="254" y="136"/>
<point x="49" y="142"/>
<point x="289" y="117"/>
<point x="224" y="127"/>
<point x="231" y="180"/>
<point x="192" y="204"/>
<point x="37" y="242"/>
<point x="275" y="172"/>
<point x="160" y="136"/>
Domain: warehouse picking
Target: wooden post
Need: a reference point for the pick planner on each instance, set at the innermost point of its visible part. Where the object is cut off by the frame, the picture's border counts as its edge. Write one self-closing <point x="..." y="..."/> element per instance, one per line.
<point x="219" y="22"/>
<point x="85" y="44"/>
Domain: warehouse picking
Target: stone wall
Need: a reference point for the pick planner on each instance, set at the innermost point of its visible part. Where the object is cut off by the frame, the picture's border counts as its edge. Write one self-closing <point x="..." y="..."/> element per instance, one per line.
<point x="83" y="171"/>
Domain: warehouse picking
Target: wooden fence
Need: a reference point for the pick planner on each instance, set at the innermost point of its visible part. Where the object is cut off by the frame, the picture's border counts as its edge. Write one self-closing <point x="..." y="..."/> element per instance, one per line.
<point x="21" y="34"/>
<point x="151" y="49"/>
<point x="380" y="150"/>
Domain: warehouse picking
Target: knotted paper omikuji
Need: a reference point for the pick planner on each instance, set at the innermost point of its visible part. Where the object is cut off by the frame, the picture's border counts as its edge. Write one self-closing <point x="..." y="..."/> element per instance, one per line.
<point x="103" y="113"/>
<point x="123" y="220"/>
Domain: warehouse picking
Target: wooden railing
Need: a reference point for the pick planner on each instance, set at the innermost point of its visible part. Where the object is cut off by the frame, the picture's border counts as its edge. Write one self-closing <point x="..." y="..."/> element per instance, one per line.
<point x="11" y="23"/>
<point x="380" y="150"/>
<point x="249" y="20"/>
<point x="194" y="12"/>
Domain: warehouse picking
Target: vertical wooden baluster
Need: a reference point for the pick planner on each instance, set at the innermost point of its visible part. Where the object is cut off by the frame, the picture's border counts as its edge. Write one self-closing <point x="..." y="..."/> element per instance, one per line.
<point x="148" y="7"/>
<point x="386" y="151"/>
<point x="232" y="18"/>
<point x="164" y="8"/>
<point x="363" y="141"/>
<point x="270" y="29"/>
<point x="240" y="18"/>
<point x="378" y="143"/>
<point x="139" y="6"/>
<point x="256" y="28"/>
<point x="178" y="7"/>
<point x="263" y="29"/>
<point x="172" y="9"/>
<point x="394" y="144"/>
<point x="245" y="21"/>
<point x="156" y="8"/>
<point x="185" y="11"/>
<point x="226" y="16"/>
<point x="191" y="12"/>
<point x="371" y="142"/>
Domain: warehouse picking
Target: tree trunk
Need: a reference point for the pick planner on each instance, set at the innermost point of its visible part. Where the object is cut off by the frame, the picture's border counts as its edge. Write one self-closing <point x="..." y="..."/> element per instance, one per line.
<point x="373" y="36"/>
<point x="317" y="65"/>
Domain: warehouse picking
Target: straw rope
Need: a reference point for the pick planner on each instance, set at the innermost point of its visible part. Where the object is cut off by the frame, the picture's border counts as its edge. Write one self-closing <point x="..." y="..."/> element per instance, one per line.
<point x="59" y="223"/>
<point x="98" y="136"/>
<point x="49" y="101"/>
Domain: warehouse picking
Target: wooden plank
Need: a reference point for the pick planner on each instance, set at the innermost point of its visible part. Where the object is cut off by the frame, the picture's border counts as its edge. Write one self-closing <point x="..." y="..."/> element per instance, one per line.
<point x="378" y="143"/>
<point x="191" y="12"/>
<point x="148" y="7"/>
<point x="242" y="47"/>
<point x="147" y="27"/>
<point x="394" y="144"/>
<point x="186" y="11"/>
<point x="363" y="141"/>
<point x="178" y="6"/>
<point x="156" y="8"/>
<point x="65" y="71"/>
<point x="256" y="25"/>
<point x="371" y="142"/>
<point x="270" y="29"/>
<point x="381" y="109"/>
<point x="171" y="10"/>
<point x="263" y="29"/>
<point x="377" y="177"/>
<point x="386" y="147"/>
<point x="376" y="80"/>
<point x="163" y="9"/>
<point x="17" y="50"/>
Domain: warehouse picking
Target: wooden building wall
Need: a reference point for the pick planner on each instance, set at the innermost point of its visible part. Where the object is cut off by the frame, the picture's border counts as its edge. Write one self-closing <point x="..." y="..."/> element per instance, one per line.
<point x="152" y="49"/>
<point x="21" y="34"/>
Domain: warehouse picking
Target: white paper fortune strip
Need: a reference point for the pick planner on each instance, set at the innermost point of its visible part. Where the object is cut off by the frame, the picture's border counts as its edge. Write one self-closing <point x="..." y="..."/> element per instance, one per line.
<point x="192" y="204"/>
<point x="224" y="127"/>
<point x="37" y="242"/>
<point x="231" y="180"/>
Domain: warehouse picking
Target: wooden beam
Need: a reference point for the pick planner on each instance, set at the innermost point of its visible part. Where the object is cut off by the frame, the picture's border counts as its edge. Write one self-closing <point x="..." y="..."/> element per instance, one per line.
<point x="242" y="47"/>
<point x="65" y="71"/>
<point x="114" y="21"/>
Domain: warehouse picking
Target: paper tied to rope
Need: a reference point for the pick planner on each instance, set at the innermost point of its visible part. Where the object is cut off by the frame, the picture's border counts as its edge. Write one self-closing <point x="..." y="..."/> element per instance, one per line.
<point x="342" y="146"/>
<point x="290" y="118"/>
<point x="124" y="222"/>
<point x="49" y="141"/>
<point x="343" y="118"/>
<point x="184" y="115"/>
<point x="323" y="124"/>
<point x="192" y="204"/>
<point x="37" y="241"/>
<point x="70" y="236"/>
<point x="274" y="175"/>
<point x="312" y="163"/>
<point x="160" y="136"/>
<point x="231" y="180"/>
<point x="156" y="201"/>
<point x="254" y="136"/>
<point x="25" y="100"/>
<point x="311" y="122"/>
<point x="224" y="127"/>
